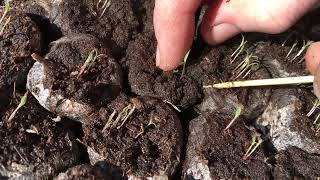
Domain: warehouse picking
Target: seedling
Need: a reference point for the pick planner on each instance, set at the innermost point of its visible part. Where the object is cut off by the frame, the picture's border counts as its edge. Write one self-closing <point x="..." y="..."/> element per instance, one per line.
<point x="23" y="101"/>
<point x="142" y="129"/>
<point x="109" y="122"/>
<point x="306" y="44"/>
<point x="174" y="106"/>
<point x="236" y="116"/>
<point x="315" y="106"/>
<point x="184" y="62"/>
<point x="5" y="19"/>
<point x="105" y="5"/>
<point x="92" y="57"/>
<point x="239" y="50"/>
<point x="263" y="82"/>
<point x="125" y="114"/>
<point x="292" y="47"/>
<point x="140" y="132"/>
<point x="249" y="64"/>
<point x="255" y="143"/>
<point x="288" y="37"/>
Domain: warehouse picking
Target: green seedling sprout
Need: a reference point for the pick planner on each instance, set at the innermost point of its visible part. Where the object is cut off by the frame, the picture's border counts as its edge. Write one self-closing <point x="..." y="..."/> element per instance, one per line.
<point x="249" y="64"/>
<point x="292" y="47"/>
<point x="109" y="122"/>
<point x="239" y="50"/>
<point x="23" y="101"/>
<point x="143" y="129"/>
<point x="105" y="5"/>
<point x="236" y="116"/>
<point x="171" y="104"/>
<point x="4" y="21"/>
<point x="287" y="38"/>
<point x="140" y="132"/>
<point x="263" y="82"/>
<point x="315" y="106"/>
<point x="305" y="46"/>
<point x="125" y="114"/>
<point x="92" y="57"/>
<point x="184" y="62"/>
<point x="255" y="143"/>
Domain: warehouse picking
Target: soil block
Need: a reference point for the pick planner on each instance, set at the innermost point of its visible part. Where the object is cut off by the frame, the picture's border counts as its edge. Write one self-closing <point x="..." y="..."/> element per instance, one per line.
<point x="33" y="145"/>
<point x="147" y="143"/>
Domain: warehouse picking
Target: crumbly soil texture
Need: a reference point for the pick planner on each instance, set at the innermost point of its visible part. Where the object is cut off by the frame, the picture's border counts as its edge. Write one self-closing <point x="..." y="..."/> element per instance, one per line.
<point x="99" y="108"/>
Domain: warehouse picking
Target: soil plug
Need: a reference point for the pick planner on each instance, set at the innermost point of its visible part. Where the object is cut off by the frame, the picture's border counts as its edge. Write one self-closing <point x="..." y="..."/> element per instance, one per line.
<point x="264" y="82"/>
<point x="237" y="114"/>
<point x="254" y="145"/>
<point x="4" y="19"/>
<point x="23" y="101"/>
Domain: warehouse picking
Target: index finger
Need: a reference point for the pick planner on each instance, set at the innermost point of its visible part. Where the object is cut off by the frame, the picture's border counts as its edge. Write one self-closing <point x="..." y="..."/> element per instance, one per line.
<point x="174" y="23"/>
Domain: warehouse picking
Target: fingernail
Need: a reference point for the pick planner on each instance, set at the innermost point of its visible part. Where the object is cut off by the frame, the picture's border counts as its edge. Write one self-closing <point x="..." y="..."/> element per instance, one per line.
<point x="158" y="59"/>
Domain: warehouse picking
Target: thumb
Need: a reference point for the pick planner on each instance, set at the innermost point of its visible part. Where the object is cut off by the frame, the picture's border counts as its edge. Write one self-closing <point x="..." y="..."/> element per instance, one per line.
<point x="174" y="23"/>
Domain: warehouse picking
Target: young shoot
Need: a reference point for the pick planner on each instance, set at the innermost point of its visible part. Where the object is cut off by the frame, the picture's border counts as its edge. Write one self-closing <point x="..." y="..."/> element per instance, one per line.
<point x="239" y="50"/>
<point x="109" y="122"/>
<point x="255" y="143"/>
<point x="103" y="5"/>
<point x="143" y="129"/>
<point x="125" y="114"/>
<point x="292" y="47"/>
<point x="249" y="64"/>
<point x="5" y="19"/>
<point x="92" y="57"/>
<point x="315" y="106"/>
<point x="171" y="104"/>
<point x="288" y="37"/>
<point x="236" y="116"/>
<point x="184" y="62"/>
<point x="23" y="101"/>
<point x="306" y="44"/>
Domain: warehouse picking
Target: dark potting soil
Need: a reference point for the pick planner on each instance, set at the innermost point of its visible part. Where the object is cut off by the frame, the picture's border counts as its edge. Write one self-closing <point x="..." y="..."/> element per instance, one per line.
<point x="129" y="23"/>
<point x="139" y="149"/>
<point x="115" y="25"/>
<point x="294" y="163"/>
<point x="20" y="38"/>
<point x="98" y="84"/>
<point x="147" y="80"/>
<point x="35" y="146"/>
<point x="98" y="171"/>
<point x="223" y="151"/>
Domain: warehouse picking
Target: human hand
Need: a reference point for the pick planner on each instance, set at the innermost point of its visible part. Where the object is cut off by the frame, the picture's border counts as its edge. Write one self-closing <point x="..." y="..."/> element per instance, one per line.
<point x="174" y="22"/>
